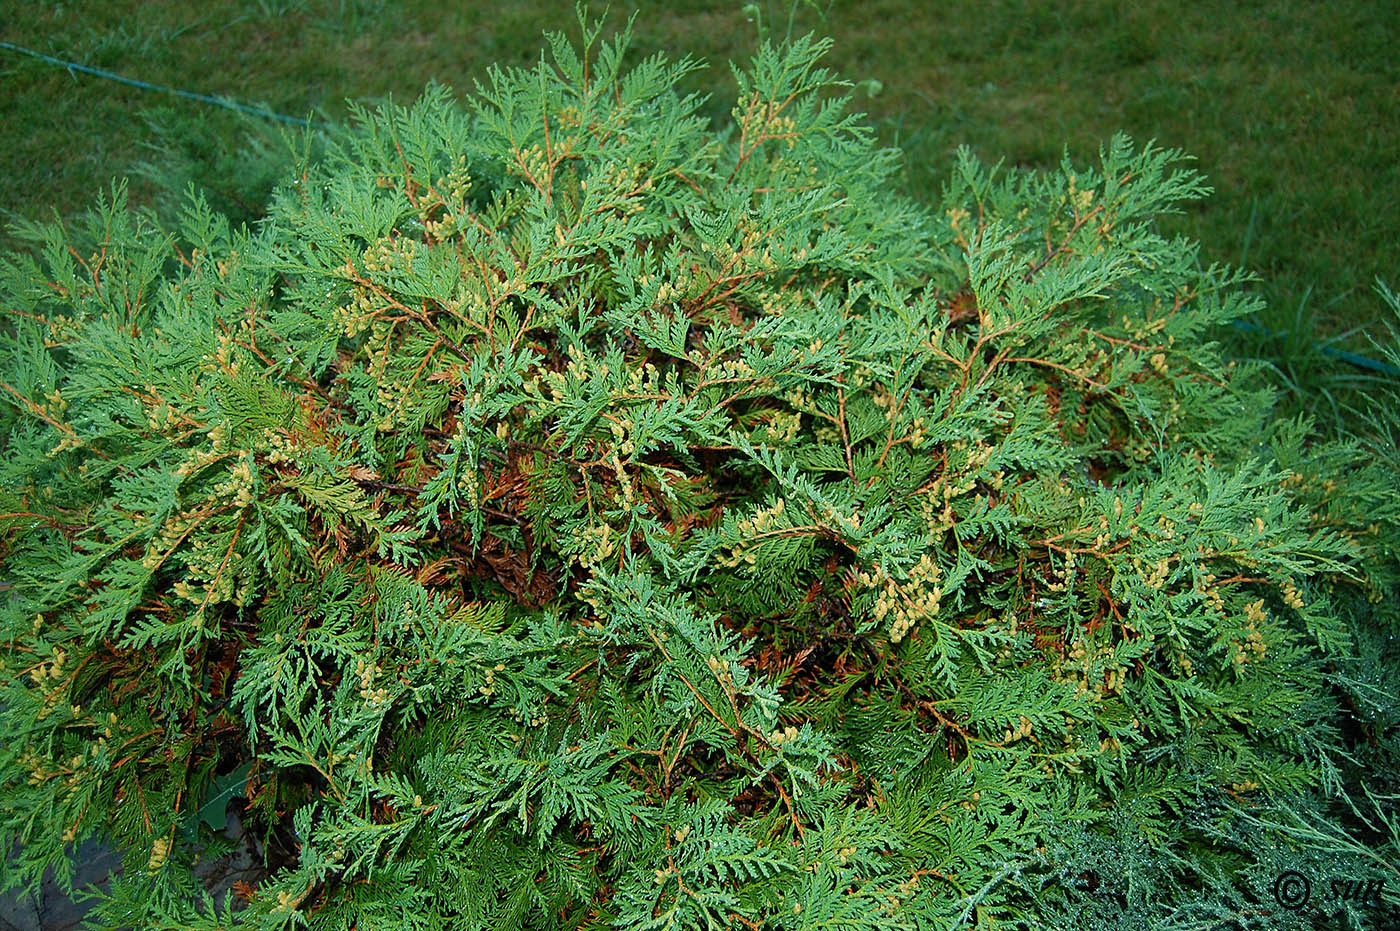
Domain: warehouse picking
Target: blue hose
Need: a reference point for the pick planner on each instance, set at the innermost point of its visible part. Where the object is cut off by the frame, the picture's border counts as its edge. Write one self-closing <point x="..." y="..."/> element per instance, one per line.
<point x="191" y="95"/>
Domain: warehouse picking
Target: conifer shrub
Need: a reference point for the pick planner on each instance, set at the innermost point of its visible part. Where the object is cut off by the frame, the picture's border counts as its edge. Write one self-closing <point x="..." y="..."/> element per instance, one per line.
<point x="559" y="512"/>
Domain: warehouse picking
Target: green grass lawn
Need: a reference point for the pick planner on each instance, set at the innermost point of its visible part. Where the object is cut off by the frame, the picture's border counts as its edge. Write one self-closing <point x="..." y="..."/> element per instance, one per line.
<point x="1291" y="108"/>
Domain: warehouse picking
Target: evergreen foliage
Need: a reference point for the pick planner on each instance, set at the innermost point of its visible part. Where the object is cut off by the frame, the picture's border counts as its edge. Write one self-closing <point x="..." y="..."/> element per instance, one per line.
<point x="559" y="513"/>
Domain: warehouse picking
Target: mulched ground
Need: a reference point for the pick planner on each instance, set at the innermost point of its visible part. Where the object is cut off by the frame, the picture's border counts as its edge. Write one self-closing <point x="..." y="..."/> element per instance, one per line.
<point x="51" y="910"/>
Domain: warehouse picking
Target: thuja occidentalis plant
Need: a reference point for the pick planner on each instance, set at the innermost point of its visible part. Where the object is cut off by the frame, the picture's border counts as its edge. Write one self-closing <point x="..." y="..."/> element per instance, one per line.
<point x="560" y="512"/>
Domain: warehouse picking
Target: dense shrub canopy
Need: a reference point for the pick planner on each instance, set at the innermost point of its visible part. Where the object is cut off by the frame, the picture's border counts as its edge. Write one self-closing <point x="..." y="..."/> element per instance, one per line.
<point x="562" y="513"/>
